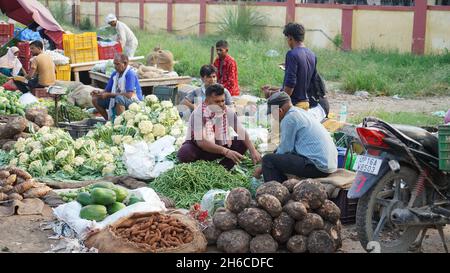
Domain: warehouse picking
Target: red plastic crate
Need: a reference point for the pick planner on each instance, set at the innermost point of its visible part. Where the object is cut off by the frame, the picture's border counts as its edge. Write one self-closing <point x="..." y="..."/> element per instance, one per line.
<point x="24" y="50"/>
<point x="4" y="39"/>
<point x="25" y="63"/>
<point x="108" y="52"/>
<point x="7" y="29"/>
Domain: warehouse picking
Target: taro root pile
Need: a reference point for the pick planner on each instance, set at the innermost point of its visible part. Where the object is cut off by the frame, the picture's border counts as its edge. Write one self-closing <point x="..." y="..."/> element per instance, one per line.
<point x="16" y="184"/>
<point x="155" y="232"/>
<point x="295" y="216"/>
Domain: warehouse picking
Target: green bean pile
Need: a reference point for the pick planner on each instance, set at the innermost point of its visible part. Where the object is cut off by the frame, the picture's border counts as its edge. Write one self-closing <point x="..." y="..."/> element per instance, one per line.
<point x="187" y="183"/>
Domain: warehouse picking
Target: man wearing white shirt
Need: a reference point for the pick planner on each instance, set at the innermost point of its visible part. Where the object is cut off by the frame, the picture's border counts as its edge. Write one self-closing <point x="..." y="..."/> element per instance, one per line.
<point x="125" y="36"/>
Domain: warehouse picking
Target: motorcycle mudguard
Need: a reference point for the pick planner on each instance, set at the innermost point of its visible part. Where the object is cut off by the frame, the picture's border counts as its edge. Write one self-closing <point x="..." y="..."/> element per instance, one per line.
<point x="365" y="181"/>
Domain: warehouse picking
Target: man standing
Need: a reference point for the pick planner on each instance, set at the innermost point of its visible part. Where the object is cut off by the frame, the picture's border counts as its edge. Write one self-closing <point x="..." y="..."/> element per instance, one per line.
<point x="208" y="76"/>
<point x="227" y="72"/>
<point x="306" y="148"/>
<point x="42" y="69"/>
<point x="209" y="137"/>
<point x="300" y="66"/>
<point x="122" y="90"/>
<point x="125" y="36"/>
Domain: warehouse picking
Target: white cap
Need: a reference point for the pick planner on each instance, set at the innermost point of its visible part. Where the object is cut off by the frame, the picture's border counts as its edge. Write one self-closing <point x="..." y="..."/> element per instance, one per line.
<point x="110" y="17"/>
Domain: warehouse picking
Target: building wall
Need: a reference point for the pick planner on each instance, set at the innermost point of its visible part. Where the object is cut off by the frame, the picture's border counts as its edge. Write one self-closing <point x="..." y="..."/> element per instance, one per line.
<point x="186" y="18"/>
<point x="129" y="13"/>
<point x="437" y="37"/>
<point x="155" y="17"/>
<point x="86" y="10"/>
<point x="386" y="30"/>
<point x="104" y="8"/>
<point x="324" y="19"/>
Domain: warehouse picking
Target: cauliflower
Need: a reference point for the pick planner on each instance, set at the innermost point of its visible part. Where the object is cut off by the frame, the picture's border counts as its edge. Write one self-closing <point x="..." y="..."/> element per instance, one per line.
<point x="159" y="130"/>
<point x="140" y="117"/>
<point x="151" y="99"/>
<point x="175" y="132"/>
<point x="117" y="139"/>
<point x="162" y="117"/>
<point x="79" y="143"/>
<point x="130" y="123"/>
<point x="149" y="138"/>
<point x="134" y="107"/>
<point x="78" y="161"/>
<point x="13" y="162"/>
<point x="115" y="151"/>
<point x="35" y="153"/>
<point x="107" y="157"/>
<point x="145" y="127"/>
<point x="118" y="120"/>
<point x="90" y="134"/>
<point x="44" y="130"/>
<point x="23" y="158"/>
<point x="166" y="104"/>
<point x="50" y="166"/>
<point x="68" y="169"/>
<point x="62" y="155"/>
<point x="19" y="146"/>
<point x="128" y="115"/>
<point x="108" y="169"/>
<point x="179" y="141"/>
<point x="108" y="124"/>
<point x="35" y="145"/>
<point x="127" y="139"/>
<point x="47" y="138"/>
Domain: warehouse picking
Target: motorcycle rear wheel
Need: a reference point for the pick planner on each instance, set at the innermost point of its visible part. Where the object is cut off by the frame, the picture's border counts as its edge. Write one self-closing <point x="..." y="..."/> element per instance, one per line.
<point x="369" y="213"/>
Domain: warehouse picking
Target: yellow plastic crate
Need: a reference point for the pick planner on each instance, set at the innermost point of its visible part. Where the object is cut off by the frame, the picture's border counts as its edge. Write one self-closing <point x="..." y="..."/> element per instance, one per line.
<point x="81" y="48"/>
<point x="63" y="72"/>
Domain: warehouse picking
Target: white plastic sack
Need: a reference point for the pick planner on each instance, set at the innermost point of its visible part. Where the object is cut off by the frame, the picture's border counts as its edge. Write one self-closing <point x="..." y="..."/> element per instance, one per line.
<point x="27" y="98"/>
<point x="209" y="200"/>
<point x="138" y="160"/>
<point x="261" y="134"/>
<point x="70" y="212"/>
<point x="162" y="147"/>
<point x="161" y="167"/>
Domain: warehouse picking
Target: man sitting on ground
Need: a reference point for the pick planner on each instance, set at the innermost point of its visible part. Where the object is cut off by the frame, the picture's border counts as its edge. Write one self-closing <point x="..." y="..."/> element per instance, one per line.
<point x="306" y="148"/>
<point x="122" y="89"/>
<point x="42" y="69"/>
<point x="208" y="73"/>
<point x="208" y="137"/>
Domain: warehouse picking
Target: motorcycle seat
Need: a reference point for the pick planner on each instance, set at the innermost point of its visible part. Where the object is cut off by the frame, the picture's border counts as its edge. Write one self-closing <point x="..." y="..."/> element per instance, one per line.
<point x="429" y="141"/>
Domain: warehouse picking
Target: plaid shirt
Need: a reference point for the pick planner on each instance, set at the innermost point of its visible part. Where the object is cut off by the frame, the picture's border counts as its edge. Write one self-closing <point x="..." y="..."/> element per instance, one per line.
<point x="227" y="75"/>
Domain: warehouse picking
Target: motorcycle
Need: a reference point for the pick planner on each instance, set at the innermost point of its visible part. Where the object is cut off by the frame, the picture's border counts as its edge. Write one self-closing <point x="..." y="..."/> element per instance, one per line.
<point x="400" y="188"/>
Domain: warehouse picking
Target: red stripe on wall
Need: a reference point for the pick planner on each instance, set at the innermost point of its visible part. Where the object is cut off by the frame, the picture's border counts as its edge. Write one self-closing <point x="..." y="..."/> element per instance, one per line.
<point x="96" y="13"/>
<point x="347" y="27"/>
<point x="141" y="14"/>
<point x="290" y="11"/>
<point x="169" y="15"/>
<point x="117" y="9"/>
<point x="202" y="26"/>
<point x="419" y="27"/>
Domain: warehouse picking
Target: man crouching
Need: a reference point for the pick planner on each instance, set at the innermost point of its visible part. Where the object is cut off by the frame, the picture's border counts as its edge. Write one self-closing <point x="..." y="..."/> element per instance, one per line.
<point x="123" y="89"/>
<point x="209" y="137"/>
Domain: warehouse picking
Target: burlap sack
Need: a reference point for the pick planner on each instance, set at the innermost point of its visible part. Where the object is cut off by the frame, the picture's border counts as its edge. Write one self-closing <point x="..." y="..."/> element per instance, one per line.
<point x="81" y="96"/>
<point x="107" y="242"/>
<point x="161" y="58"/>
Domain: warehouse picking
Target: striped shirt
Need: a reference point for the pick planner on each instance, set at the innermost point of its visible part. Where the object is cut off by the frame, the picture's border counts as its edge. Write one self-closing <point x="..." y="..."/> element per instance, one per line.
<point x="302" y="134"/>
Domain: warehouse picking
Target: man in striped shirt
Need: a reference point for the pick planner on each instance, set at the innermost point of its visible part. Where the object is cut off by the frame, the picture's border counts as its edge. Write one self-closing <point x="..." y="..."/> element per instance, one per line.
<point x="306" y="148"/>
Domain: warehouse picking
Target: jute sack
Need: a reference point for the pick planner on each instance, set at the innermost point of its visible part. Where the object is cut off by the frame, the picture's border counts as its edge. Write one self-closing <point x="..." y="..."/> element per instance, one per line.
<point x="107" y="241"/>
<point x="161" y="58"/>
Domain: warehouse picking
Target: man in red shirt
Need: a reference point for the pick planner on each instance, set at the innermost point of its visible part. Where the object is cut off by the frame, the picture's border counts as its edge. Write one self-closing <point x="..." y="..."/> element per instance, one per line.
<point x="227" y="73"/>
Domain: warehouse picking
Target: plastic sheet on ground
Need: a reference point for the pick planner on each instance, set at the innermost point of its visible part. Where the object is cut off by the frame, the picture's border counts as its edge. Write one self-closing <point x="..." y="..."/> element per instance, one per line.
<point x="70" y="212"/>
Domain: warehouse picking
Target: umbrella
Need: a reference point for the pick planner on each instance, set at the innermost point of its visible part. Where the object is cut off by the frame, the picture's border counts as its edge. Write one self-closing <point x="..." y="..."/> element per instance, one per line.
<point x="29" y="11"/>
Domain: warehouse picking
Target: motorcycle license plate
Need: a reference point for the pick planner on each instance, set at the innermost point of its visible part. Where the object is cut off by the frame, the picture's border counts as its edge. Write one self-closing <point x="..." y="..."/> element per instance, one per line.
<point x="367" y="164"/>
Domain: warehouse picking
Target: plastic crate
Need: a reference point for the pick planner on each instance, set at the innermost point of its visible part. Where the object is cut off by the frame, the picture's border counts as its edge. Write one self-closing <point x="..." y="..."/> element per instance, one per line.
<point x="7" y="29"/>
<point x="108" y="52"/>
<point x="165" y="93"/>
<point x="4" y="39"/>
<point x="347" y="207"/>
<point x="24" y="50"/>
<point x="80" y="128"/>
<point x="444" y="147"/>
<point x="25" y="63"/>
<point x="63" y="72"/>
<point x="81" y="48"/>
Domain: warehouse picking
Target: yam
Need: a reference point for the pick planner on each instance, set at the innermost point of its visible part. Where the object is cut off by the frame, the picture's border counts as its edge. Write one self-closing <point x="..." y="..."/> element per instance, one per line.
<point x="311" y="192"/>
<point x="32" y="113"/>
<point x="6" y="188"/>
<point x="15" y="196"/>
<point x="238" y="199"/>
<point x="4" y="174"/>
<point x="270" y="204"/>
<point x="234" y="241"/>
<point x="282" y="228"/>
<point x="22" y="135"/>
<point x="44" y="120"/>
<point x="225" y="220"/>
<point x="296" y="210"/>
<point x="334" y="230"/>
<point x="255" y="221"/>
<point x="319" y="241"/>
<point x="329" y="212"/>
<point x="311" y="222"/>
<point x="36" y="192"/>
<point x="8" y="146"/>
<point x="254" y="204"/>
<point x="3" y="141"/>
<point x="274" y="188"/>
<point x="290" y="184"/>
<point x="297" y="244"/>
<point x="25" y="186"/>
<point x="263" y="244"/>
<point x="3" y="196"/>
<point x="211" y="232"/>
<point x="14" y="126"/>
<point x="20" y="173"/>
<point x="11" y="179"/>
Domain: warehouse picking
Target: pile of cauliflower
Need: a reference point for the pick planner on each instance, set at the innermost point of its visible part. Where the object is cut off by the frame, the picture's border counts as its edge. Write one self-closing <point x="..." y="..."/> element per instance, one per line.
<point x="147" y="120"/>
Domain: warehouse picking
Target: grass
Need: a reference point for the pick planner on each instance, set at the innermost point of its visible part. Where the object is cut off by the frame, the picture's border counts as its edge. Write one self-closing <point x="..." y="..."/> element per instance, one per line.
<point x="409" y="118"/>
<point x="380" y="73"/>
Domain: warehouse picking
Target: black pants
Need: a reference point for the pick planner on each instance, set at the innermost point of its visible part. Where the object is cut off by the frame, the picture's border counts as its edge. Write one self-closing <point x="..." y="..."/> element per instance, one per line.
<point x="275" y="167"/>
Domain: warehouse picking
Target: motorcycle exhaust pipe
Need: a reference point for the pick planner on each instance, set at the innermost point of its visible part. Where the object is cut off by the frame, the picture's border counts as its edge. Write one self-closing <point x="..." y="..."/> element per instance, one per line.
<point x="411" y="217"/>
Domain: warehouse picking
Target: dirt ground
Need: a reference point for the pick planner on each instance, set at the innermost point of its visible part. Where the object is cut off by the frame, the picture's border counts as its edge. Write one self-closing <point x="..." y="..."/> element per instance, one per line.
<point x="23" y="234"/>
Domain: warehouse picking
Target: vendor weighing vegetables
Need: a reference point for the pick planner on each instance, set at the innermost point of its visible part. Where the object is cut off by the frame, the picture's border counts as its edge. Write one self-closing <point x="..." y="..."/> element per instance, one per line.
<point x="209" y="137"/>
<point x="122" y="90"/>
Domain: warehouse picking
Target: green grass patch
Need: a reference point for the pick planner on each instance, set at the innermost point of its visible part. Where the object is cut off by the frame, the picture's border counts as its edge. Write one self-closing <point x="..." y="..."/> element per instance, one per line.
<point x="409" y="118"/>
